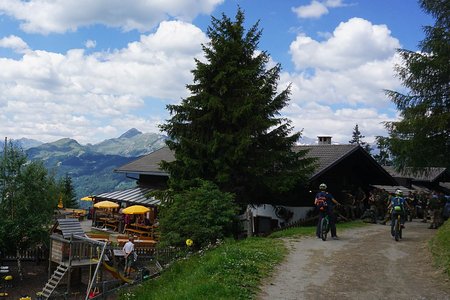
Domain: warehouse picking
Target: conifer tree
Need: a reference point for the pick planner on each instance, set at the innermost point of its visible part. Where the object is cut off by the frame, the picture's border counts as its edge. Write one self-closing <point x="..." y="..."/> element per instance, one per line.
<point x="421" y="138"/>
<point x="384" y="156"/>
<point x="68" y="192"/>
<point x="229" y="131"/>
<point x="357" y="138"/>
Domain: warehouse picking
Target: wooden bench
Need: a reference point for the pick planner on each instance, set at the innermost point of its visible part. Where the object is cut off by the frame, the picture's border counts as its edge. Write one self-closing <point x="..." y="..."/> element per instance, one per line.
<point x="137" y="231"/>
<point x="139" y="242"/>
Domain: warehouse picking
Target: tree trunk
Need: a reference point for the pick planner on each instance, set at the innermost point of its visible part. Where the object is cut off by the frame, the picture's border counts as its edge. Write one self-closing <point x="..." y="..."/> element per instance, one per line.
<point x="19" y="264"/>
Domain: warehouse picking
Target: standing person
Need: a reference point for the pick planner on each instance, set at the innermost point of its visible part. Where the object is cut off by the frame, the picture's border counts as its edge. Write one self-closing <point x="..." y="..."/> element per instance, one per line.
<point x="128" y="249"/>
<point x="434" y="204"/>
<point x="326" y="203"/>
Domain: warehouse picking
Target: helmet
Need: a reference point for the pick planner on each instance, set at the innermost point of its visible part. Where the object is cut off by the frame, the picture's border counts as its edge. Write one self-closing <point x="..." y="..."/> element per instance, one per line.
<point x="322" y="186"/>
<point x="399" y="192"/>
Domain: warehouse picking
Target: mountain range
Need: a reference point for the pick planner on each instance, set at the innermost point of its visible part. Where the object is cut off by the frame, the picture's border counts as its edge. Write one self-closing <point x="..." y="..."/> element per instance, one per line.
<point x="91" y="166"/>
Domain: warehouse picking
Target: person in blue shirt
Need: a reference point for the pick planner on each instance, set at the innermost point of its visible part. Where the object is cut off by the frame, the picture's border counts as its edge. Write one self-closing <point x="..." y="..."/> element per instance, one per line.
<point x="325" y="202"/>
<point x="398" y="206"/>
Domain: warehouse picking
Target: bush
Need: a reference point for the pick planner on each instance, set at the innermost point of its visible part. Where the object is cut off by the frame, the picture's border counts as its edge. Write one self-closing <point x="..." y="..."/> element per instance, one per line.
<point x="202" y="213"/>
<point x="440" y="247"/>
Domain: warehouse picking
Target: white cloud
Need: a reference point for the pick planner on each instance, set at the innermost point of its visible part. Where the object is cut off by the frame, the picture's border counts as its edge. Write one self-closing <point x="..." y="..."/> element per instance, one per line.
<point x="90" y="44"/>
<point x="318" y="120"/>
<point x="76" y="94"/>
<point x="47" y="16"/>
<point x="351" y="44"/>
<point x="15" y="43"/>
<point x="335" y="3"/>
<point x="340" y="81"/>
<point x="315" y="9"/>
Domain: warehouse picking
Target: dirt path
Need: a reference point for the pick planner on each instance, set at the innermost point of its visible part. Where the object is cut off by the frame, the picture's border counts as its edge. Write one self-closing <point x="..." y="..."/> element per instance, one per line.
<point x="365" y="263"/>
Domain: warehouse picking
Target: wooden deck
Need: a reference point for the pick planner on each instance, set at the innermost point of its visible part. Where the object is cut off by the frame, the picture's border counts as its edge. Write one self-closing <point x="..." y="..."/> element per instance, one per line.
<point x="81" y="262"/>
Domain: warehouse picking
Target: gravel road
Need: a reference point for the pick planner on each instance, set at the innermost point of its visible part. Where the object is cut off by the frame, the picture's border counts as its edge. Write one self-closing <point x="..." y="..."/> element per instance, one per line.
<point x="365" y="263"/>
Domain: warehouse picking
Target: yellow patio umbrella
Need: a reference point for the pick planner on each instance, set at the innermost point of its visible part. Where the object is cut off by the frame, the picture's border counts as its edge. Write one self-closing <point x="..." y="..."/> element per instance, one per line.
<point x="87" y="198"/>
<point x="106" y="204"/>
<point x="60" y="202"/>
<point x="135" y="210"/>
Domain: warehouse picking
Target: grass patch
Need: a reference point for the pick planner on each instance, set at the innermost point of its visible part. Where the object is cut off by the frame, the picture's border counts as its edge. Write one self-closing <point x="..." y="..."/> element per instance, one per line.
<point x="233" y="270"/>
<point x="311" y="230"/>
<point x="440" y="248"/>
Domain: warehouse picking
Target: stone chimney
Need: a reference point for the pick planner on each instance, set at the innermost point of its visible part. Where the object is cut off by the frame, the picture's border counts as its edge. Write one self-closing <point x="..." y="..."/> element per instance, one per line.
<point x="324" y="140"/>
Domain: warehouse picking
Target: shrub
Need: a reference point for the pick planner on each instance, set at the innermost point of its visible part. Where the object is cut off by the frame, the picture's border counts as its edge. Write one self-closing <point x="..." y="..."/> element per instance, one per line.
<point x="201" y="213"/>
<point x="440" y="247"/>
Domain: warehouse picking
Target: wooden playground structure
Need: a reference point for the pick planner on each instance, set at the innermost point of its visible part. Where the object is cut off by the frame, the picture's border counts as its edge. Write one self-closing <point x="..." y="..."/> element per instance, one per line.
<point x="73" y="254"/>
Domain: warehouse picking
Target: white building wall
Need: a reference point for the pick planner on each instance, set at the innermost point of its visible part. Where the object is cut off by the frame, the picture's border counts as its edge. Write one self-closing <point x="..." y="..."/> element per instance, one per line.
<point x="267" y="210"/>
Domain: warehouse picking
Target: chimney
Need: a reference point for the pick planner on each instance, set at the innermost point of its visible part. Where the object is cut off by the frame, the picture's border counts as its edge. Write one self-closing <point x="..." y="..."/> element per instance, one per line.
<point x="324" y="140"/>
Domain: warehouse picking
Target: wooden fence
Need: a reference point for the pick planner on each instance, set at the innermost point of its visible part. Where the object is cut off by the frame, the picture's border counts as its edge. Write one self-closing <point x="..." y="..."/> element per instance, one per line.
<point x="37" y="254"/>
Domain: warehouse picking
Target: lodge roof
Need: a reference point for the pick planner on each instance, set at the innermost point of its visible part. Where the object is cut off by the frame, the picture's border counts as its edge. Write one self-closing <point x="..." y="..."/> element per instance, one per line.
<point x="327" y="157"/>
<point x="137" y="195"/>
<point x="425" y="174"/>
<point x="149" y="163"/>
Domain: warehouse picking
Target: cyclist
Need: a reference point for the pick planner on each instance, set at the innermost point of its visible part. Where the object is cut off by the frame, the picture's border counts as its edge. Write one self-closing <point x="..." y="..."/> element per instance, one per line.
<point x="398" y="206"/>
<point x="325" y="202"/>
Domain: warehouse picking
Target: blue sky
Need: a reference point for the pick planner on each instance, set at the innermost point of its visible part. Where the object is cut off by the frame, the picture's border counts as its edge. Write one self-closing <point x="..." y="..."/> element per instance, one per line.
<point x="90" y="70"/>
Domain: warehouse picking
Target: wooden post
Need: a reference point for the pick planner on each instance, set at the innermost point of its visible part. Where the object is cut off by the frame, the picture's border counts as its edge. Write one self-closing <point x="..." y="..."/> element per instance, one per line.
<point x="250" y="221"/>
<point x="50" y="258"/>
<point x="96" y="271"/>
<point x="69" y="270"/>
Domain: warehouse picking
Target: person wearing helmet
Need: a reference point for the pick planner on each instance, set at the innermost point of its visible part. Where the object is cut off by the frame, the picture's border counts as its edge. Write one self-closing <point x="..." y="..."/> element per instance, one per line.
<point x="397" y="206"/>
<point x="325" y="202"/>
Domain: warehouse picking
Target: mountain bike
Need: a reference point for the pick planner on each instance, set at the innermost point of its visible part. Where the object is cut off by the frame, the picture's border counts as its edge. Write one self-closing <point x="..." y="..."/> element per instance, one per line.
<point x="396" y="230"/>
<point x="324" y="227"/>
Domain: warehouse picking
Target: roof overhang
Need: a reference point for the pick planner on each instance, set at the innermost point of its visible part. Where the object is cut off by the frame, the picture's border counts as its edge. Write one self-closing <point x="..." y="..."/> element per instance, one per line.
<point x="137" y="195"/>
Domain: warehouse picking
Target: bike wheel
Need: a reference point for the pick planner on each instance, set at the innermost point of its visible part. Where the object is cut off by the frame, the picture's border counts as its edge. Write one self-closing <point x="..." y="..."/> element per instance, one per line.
<point x="397" y="230"/>
<point x="324" y="229"/>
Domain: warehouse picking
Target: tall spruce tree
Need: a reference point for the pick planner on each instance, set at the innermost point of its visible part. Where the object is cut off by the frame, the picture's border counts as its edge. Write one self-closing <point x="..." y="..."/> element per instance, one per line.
<point x="229" y="131"/>
<point x="357" y="138"/>
<point x="384" y="156"/>
<point x="421" y="138"/>
<point x="67" y="192"/>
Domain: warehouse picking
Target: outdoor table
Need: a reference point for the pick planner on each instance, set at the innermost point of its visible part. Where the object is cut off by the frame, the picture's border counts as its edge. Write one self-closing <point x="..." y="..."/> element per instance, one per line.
<point x="133" y="229"/>
<point x="111" y="222"/>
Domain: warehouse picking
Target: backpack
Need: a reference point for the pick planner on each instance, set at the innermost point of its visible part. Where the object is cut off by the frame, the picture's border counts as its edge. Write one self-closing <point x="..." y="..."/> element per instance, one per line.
<point x="321" y="202"/>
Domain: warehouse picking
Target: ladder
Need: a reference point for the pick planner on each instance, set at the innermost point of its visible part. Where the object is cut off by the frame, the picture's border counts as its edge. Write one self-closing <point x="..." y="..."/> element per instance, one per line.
<point x="53" y="282"/>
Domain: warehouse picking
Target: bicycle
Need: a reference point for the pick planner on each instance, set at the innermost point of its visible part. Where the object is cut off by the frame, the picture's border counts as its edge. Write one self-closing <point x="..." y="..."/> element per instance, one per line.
<point x="324" y="227"/>
<point x="396" y="229"/>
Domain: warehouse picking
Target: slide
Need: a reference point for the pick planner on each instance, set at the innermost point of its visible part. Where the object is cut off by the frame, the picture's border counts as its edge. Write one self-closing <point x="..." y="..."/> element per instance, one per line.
<point x="116" y="273"/>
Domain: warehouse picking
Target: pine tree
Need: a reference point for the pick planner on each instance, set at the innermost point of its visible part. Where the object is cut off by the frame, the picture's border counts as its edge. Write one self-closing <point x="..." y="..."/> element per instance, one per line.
<point x="229" y="131"/>
<point x="68" y="192"/>
<point x="384" y="156"/>
<point x="357" y="138"/>
<point x="421" y="138"/>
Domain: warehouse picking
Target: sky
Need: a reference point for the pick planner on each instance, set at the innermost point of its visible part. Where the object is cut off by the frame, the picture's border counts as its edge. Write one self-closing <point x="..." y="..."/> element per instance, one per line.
<point x="92" y="69"/>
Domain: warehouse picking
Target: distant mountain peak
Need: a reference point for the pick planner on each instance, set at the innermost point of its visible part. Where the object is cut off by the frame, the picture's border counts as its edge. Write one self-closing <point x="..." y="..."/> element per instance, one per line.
<point x="130" y="133"/>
